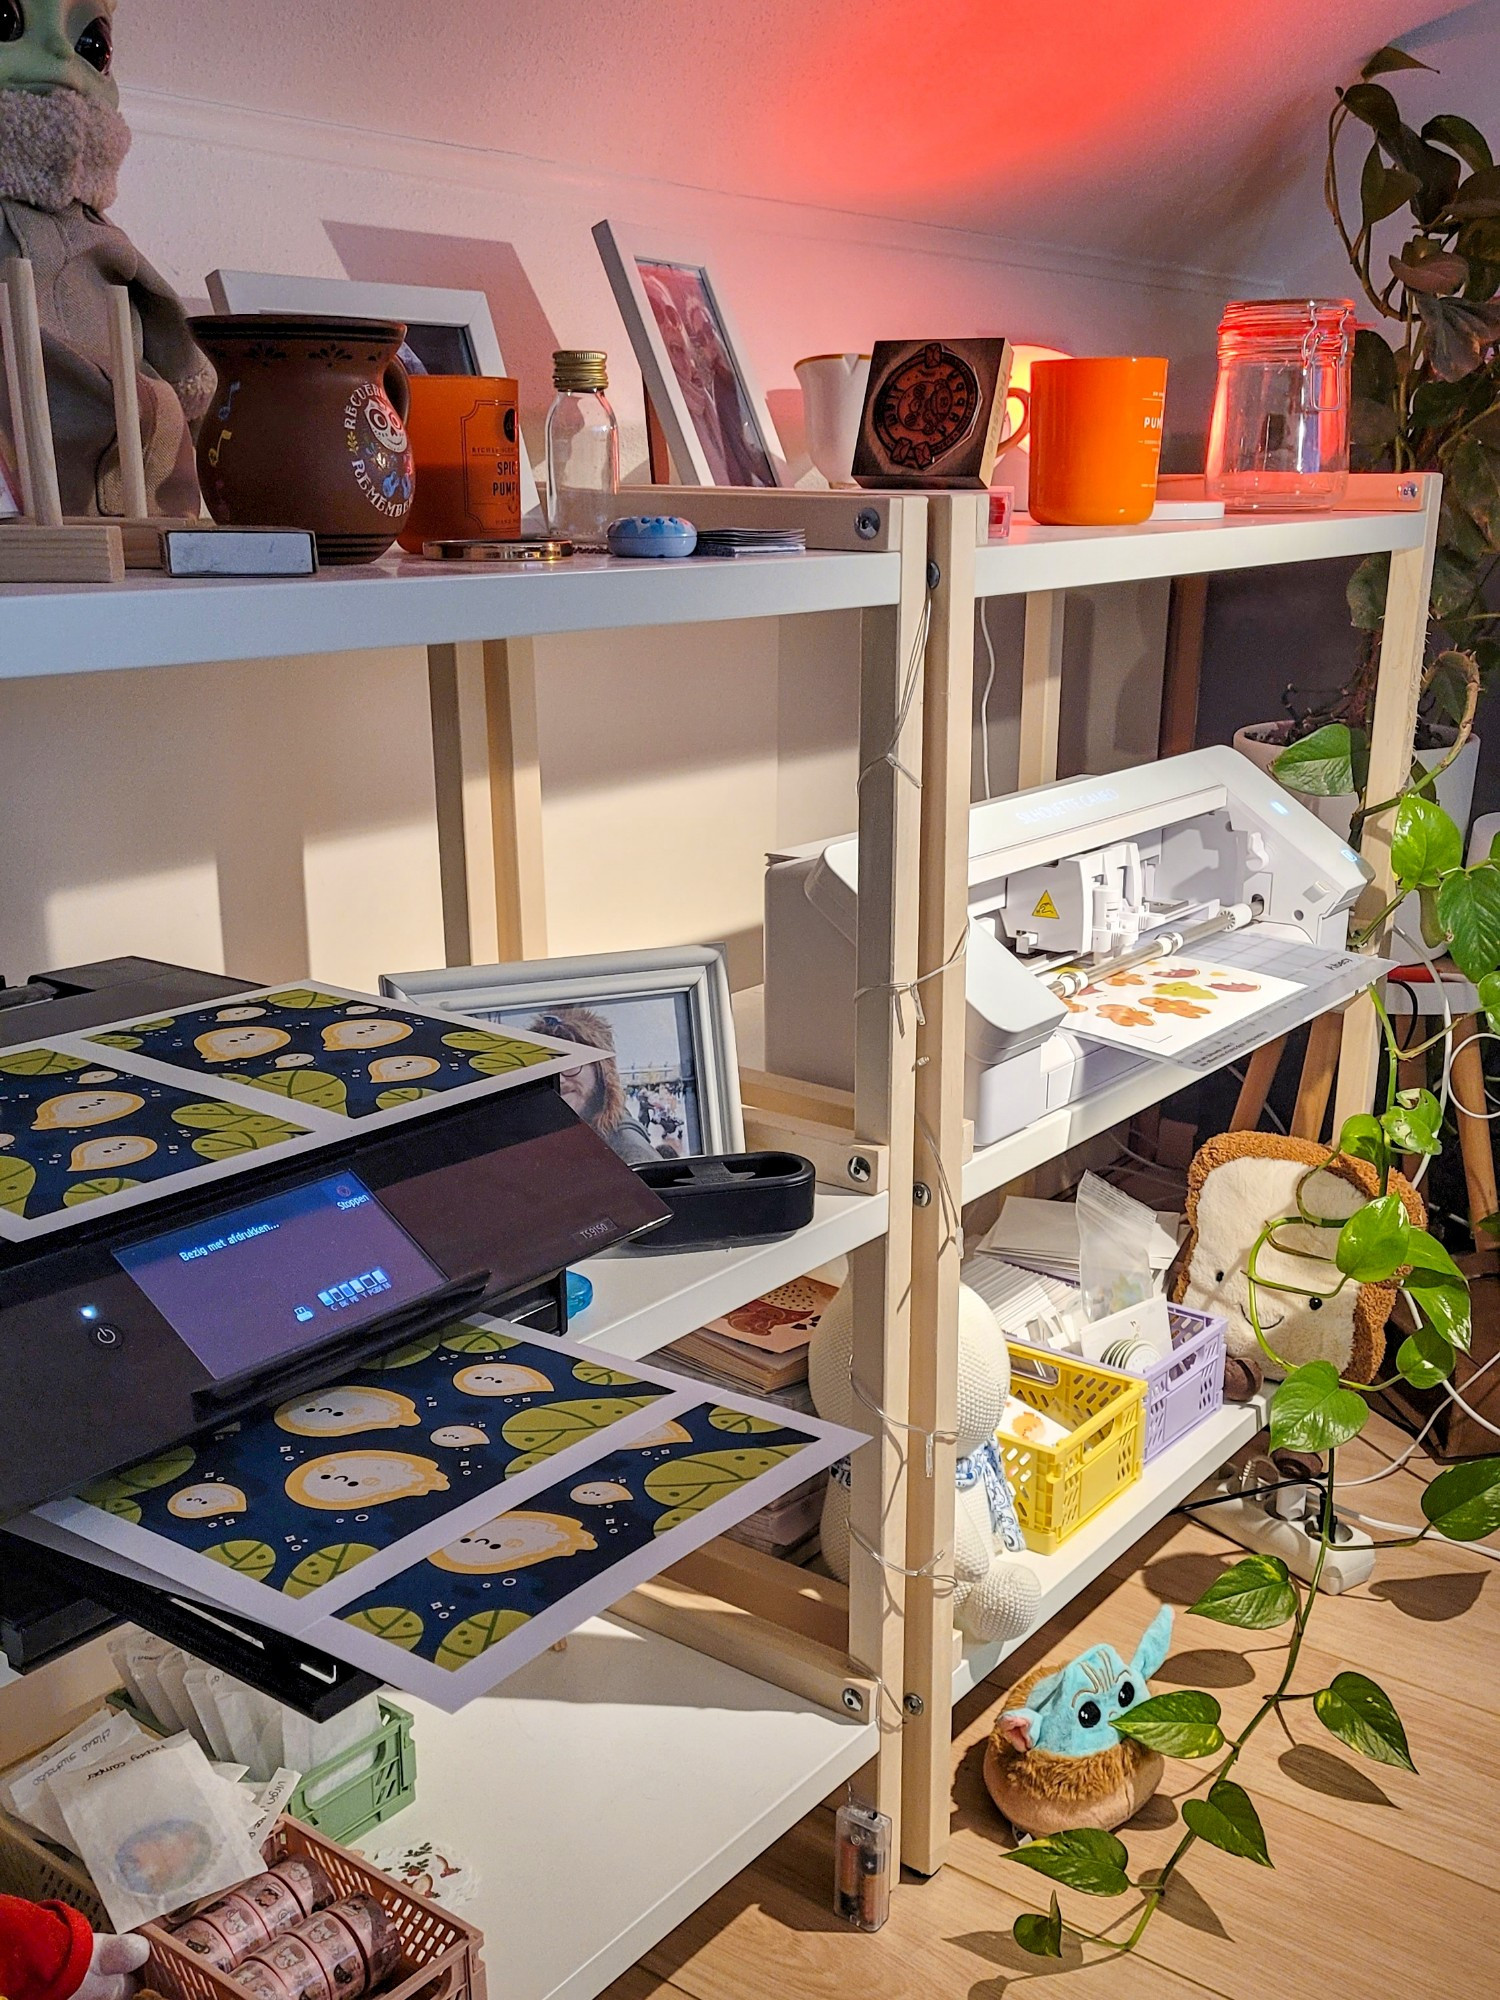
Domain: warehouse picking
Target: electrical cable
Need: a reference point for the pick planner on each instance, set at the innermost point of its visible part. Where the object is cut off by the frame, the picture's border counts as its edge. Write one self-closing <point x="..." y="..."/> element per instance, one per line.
<point x="984" y="699"/>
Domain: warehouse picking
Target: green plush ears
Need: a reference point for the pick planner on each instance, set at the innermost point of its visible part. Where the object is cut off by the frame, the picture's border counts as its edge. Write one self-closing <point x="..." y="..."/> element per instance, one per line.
<point x="1155" y="1641"/>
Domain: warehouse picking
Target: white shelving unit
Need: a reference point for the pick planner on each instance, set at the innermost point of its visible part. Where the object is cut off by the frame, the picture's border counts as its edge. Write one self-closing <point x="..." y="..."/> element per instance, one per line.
<point x="610" y="1787"/>
<point x="1042" y="564"/>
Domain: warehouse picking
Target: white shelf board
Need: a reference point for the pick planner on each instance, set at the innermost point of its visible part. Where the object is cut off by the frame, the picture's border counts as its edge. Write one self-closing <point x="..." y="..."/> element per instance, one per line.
<point x="1167" y="1480"/>
<point x="644" y="1299"/>
<point x="604" y="1792"/>
<point x="1038" y="558"/>
<point x="1148" y="1083"/>
<point x="151" y="620"/>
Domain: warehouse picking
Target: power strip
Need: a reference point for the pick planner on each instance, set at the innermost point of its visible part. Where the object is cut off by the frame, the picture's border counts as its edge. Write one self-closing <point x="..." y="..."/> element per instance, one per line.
<point x="1251" y="1523"/>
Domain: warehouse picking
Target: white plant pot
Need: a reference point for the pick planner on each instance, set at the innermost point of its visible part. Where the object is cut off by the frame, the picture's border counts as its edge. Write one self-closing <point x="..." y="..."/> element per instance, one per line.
<point x="1455" y="794"/>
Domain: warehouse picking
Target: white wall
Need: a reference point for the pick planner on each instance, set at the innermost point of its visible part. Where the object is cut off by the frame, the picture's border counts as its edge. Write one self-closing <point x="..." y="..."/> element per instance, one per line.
<point x="278" y="819"/>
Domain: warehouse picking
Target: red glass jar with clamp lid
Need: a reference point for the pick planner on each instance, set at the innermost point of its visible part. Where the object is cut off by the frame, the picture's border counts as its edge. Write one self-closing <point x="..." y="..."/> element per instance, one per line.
<point x="1279" y="439"/>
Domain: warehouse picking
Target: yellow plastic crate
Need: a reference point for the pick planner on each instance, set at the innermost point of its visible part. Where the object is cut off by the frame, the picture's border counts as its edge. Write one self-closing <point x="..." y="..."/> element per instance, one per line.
<point x="1057" y="1488"/>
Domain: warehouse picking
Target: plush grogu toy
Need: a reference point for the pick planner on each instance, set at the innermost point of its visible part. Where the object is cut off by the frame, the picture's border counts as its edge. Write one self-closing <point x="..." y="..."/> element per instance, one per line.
<point x="994" y="1596"/>
<point x="1055" y="1761"/>
<point x="62" y="140"/>
<point x="1237" y="1183"/>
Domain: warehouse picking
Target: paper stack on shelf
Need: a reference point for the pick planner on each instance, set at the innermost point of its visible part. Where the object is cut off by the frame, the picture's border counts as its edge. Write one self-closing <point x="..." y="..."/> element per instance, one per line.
<point x="1029" y="1305"/>
<point x="751" y="541"/>
<point x="1043" y="1236"/>
<point x="762" y="1345"/>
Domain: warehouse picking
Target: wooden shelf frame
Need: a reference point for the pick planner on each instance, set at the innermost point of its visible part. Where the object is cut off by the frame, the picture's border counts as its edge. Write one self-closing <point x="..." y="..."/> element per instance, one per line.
<point x="806" y="1677"/>
<point x="1041" y="565"/>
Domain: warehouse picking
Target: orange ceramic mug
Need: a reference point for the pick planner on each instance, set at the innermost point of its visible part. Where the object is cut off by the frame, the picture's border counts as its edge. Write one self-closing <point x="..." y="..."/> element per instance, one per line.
<point x="466" y="443"/>
<point x="1096" y="439"/>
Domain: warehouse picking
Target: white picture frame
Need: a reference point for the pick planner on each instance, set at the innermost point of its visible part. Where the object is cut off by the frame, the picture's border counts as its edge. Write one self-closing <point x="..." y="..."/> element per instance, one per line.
<point x="464" y="317"/>
<point x="695" y="978"/>
<point x="704" y="451"/>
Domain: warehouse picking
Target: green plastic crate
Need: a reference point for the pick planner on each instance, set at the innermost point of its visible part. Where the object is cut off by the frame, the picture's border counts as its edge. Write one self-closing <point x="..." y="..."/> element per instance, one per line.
<point x="378" y="1787"/>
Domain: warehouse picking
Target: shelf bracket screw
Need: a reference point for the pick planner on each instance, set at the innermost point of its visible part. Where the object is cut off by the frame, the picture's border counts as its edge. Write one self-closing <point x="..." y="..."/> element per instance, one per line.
<point x="859" y="1167"/>
<point x="867" y="524"/>
<point x="921" y="1194"/>
<point x="854" y="1701"/>
<point x="914" y="1704"/>
<point x="934" y="574"/>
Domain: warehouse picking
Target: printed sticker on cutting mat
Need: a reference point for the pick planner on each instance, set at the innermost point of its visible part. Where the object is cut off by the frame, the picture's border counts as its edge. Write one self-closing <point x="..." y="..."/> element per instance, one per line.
<point x="281" y="1510"/>
<point x="479" y="1608"/>
<point x="1167" y="1009"/>
<point x="76" y="1131"/>
<point x="340" y="1053"/>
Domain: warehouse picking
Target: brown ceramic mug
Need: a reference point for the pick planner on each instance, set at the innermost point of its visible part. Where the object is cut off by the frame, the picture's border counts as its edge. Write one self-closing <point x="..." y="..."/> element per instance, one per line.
<point x="307" y="429"/>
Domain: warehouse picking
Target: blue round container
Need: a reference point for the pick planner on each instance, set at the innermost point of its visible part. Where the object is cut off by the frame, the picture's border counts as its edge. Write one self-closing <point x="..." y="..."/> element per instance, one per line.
<point x="652" y="535"/>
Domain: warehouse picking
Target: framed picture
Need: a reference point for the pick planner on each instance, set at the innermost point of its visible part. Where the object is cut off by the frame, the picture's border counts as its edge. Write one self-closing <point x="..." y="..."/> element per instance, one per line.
<point x="670" y="1087"/>
<point x="447" y="333"/>
<point x="704" y="395"/>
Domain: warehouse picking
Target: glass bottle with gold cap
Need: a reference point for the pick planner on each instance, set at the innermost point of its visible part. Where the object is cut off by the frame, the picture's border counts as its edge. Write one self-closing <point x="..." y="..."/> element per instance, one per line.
<point x="583" y="449"/>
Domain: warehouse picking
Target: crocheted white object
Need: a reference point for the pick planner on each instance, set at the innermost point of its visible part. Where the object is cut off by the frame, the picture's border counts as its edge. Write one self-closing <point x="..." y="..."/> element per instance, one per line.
<point x="995" y="1595"/>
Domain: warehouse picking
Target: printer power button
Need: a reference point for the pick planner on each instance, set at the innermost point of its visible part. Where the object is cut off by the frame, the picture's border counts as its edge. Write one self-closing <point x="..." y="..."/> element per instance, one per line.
<point x="106" y="1336"/>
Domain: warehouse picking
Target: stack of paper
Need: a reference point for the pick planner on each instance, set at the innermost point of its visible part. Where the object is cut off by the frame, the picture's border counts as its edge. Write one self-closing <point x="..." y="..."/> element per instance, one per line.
<point x="751" y="541"/>
<point x="763" y="1344"/>
<point x="1043" y="1235"/>
<point x="1029" y="1305"/>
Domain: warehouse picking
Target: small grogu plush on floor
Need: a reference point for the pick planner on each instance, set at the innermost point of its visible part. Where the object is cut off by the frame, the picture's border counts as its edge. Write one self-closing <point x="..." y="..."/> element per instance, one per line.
<point x="1054" y="1761"/>
<point x="995" y="1596"/>
<point x="1238" y="1182"/>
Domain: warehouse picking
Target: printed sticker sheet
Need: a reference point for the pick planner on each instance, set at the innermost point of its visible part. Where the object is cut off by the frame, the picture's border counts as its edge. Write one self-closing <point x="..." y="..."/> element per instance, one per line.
<point x="445" y="1515"/>
<point x="1165" y="1009"/>
<point x="106" y="1119"/>
<point x="456" y="1624"/>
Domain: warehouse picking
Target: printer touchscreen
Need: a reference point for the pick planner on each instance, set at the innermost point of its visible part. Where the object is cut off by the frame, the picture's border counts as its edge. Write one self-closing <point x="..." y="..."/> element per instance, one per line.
<point x="278" y="1275"/>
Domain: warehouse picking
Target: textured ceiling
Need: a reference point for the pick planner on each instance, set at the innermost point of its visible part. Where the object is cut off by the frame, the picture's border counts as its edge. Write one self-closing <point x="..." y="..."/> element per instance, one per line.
<point x="1168" y="128"/>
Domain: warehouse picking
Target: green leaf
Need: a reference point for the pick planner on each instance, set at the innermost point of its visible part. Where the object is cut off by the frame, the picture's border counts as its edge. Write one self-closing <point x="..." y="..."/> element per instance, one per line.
<point x="1459" y="333"/>
<point x="1489" y="995"/>
<point x="1082" y="1858"/>
<point x="1373" y="374"/>
<point x="1423" y="1251"/>
<point x="1255" y="1593"/>
<point x="1437" y="403"/>
<point x="17" y="1179"/>
<point x="40" y="1062"/>
<point x="1449" y="684"/>
<point x="1425" y="844"/>
<point x="1360" y="1714"/>
<point x="1478" y="198"/>
<point x="1366" y="594"/>
<point x="1312" y="1411"/>
<point x="1413" y="1128"/>
<point x="1409" y="1133"/>
<point x="318" y="1087"/>
<point x="1373" y="105"/>
<point x="1041" y="1936"/>
<point x="1383" y="189"/>
<point x="1463" y="1503"/>
<point x="1371" y="1246"/>
<point x="95" y="1190"/>
<point x="305" y="1000"/>
<point x="1435" y="275"/>
<point x="1442" y="1304"/>
<point x="1226" y="1819"/>
<point x="1453" y="577"/>
<point x="1424" y="1358"/>
<point x="1320" y="765"/>
<point x="1363" y="1138"/>
<point x="1389" y="58"/>
<point x="1184" y="1723"/>
<point x="1469" y="912"/>
<point x="1471" y="478"/>
<point x="1460" y="137"/>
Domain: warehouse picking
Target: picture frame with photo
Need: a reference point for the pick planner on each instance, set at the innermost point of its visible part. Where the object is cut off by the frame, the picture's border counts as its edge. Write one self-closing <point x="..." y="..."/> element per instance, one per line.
<point x="703" y="391"/>
<point x="447" y="332"/>
<point x="670" y="1086"/>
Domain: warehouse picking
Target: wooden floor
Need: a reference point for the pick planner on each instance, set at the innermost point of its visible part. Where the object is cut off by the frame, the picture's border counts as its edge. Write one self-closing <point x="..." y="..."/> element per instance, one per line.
<point x="1383" y="1883"/>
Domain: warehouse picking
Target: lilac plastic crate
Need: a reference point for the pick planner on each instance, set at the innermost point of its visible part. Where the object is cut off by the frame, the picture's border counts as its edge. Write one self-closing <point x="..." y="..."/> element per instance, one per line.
<point x="1189" y="1386"/>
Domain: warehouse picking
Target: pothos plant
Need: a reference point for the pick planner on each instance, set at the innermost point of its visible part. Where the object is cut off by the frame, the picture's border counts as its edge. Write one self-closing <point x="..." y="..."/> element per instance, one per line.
<point x="1425" y="394"/>
<point x="1315" y="1409"/>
